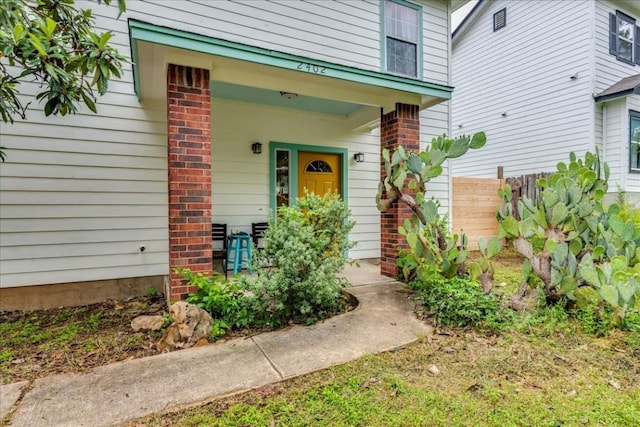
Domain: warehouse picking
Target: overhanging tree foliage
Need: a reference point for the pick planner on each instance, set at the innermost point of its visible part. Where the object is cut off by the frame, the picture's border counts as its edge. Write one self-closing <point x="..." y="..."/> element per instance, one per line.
<point x="52" y="43"/>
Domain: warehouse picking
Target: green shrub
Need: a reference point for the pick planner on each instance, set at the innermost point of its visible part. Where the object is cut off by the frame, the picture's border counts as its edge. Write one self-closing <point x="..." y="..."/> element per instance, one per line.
<point x="297" y="271"/>
<point x="457" y="301"/>
<point x="224" y="300"/>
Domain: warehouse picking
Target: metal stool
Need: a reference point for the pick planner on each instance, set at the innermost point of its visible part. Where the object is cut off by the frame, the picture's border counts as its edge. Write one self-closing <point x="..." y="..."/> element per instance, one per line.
<point x="240" y="244"/>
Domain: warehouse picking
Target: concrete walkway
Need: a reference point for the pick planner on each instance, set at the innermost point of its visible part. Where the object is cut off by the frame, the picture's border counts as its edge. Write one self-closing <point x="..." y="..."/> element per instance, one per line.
<point x="124" y="391"/>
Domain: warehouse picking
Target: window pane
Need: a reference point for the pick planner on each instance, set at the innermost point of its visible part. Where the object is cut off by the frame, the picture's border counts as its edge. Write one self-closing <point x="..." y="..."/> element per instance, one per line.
<point x="282" y="178"/>
<point x="625" y="50"/>
<point x="318" y="166"/>
<point x="401" y="57"/>
<point x="635" y="142"/>
<point x="635" y="156"/>
<point x="625" y="29"/>
<point x="401" y="21"/>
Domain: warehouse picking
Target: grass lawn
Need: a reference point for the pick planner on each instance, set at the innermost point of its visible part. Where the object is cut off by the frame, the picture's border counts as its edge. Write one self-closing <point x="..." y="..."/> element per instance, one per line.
<point x="557" y="378"/>
<point x="541" y="371"/>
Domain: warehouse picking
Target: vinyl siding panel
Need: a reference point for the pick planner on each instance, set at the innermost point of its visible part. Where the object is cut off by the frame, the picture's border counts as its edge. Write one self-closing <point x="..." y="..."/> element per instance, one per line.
<point x="614" y="145"/>
<point x="522" y="71"/>
<point x="610" y="70"/>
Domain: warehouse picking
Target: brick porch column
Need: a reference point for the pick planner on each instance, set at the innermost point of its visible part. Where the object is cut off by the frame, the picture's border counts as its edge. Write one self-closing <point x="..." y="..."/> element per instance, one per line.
<point x="399" y="127"/>
<point x="189" y="154"/>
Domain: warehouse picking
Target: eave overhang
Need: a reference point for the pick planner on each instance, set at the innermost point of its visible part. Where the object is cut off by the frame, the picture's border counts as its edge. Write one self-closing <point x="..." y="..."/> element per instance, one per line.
<point x="235" y="63"/>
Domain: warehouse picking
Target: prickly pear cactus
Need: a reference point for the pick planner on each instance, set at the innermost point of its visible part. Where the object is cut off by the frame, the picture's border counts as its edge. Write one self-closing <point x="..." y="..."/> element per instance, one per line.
<point x="431" y="246"/>
<point x="586" y="242"/>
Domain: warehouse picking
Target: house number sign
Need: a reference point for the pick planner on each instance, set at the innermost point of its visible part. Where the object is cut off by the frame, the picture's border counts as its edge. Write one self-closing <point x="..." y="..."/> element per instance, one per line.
<point x="311" y="68"/>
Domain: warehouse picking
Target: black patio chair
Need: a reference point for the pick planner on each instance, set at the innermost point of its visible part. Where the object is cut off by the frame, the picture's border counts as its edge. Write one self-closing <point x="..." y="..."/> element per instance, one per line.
<point x="257" y="233"/>
<point x="219" y="234"/>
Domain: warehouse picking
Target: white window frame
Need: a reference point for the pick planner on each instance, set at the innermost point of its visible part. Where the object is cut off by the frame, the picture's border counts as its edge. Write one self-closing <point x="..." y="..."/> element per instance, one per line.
<point x="634" y="142"/>
<point x="616" y="39"/>
<point x="386" y="35"/>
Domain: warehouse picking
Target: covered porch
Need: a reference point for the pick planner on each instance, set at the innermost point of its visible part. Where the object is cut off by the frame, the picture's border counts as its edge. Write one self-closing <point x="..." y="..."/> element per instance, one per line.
<point x="223" y="97"/>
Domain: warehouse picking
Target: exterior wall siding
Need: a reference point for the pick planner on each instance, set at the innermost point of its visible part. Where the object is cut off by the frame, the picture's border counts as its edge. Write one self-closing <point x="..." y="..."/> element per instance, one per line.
<point x="515" y="85"/>
<point x="609" y="70"/>
<point x="80" y="194"/>
<point x="614" y="113"/>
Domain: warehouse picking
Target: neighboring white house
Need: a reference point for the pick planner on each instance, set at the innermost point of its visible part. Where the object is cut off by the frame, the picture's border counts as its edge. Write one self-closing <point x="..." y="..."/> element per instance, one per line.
<point x="544" y="78"/>
<point x="170" y="150"/>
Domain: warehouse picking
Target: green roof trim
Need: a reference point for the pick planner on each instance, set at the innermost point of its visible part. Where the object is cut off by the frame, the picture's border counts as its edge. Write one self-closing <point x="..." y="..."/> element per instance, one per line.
<point x="142" y="31"/>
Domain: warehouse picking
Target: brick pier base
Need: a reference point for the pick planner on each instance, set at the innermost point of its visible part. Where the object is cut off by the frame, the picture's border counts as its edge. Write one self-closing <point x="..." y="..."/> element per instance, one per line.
<point x="189" y="155"/>
<point x="399" y="127"/>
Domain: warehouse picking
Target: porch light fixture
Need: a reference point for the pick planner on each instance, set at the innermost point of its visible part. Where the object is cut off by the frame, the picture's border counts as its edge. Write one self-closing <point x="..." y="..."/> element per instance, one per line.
<point x="288" y="95"/>
<point x="358" y="157"/>
<point x="256" y="148"/>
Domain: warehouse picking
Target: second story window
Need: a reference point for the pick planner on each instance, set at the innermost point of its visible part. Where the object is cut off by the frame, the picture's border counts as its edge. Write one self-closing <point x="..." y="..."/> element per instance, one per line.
<point x="624" y="40"/>
<point x="402" y="37"/>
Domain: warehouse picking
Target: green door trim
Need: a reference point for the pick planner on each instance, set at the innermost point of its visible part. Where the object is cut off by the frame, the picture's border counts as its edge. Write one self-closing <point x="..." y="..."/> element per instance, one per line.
<point x="293" y="168"/>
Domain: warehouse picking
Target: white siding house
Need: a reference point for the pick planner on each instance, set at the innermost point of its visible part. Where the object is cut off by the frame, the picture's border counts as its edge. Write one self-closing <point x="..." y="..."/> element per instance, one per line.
<point x="80" y="195"/>
<point x="532" y="75"/>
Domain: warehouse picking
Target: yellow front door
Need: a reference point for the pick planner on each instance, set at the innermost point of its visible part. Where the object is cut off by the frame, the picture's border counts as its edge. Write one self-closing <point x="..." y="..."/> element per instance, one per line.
<point x="318" y="172"/>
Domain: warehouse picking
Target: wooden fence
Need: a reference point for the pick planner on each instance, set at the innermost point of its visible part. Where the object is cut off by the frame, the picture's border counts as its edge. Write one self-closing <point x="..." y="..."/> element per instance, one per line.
<point x="524" y="185"/>
<point x="474" y="205"/>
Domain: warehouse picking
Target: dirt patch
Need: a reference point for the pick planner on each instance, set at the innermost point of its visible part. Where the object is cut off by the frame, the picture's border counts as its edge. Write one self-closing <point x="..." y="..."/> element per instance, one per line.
<point x="45" y="342"/>
<point x="35" y="344"/>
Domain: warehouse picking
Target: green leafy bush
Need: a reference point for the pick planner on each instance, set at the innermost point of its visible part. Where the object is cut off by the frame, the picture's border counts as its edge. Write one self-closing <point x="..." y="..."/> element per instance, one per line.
<point x="224" y="300"/>
<point x="297" y="271"/>
<point x="457" y="301"/>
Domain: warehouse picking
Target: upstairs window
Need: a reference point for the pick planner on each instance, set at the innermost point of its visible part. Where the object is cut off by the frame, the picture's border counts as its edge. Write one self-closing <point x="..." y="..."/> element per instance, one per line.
<point x="402" y="37"/>
<point x="624" y="38"/>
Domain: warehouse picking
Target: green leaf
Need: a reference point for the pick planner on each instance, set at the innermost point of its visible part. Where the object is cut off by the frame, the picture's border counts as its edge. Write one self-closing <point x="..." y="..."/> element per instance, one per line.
<point x="627" y="289"/>
<point x="437" y="157"/>
<point x="562" y="167"/>
<point x="459" y="147"/>
<point x="434" y="172"/>
<point x="430" y="210"/>
<point x="616" y="224"/>
<point x="619" y="263"/>
<point x="587" y="271"/>
<point x="510" y="226"/>
<point x="50" y="106"/>
<point x="104" y="39"/>
<point x="560" y="213"/>
<point x="412" y="239"/>
<point x="87" y="100"/>
<point x="18" y="33"/>
<point x="396" y="158"/>
<point x="385" y="155"/>
<point x="609" y="293"/>
<point x="527" y="228"/>
<point x="399" y="178"/>
<point x="598" y="251"/>
<point x="414" y="164"/>
<point x="35" y="42"/>
<point x="482" y="245"/>
<point x="575" y="245"/>
<point x="478" y="140"/>
<point x="493" y="247"/>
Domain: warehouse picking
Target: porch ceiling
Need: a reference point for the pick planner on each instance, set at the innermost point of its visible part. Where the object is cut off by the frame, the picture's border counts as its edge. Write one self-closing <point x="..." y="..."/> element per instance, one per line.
<point x="252" y="74"/>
